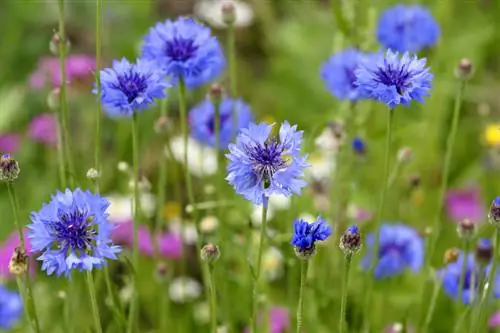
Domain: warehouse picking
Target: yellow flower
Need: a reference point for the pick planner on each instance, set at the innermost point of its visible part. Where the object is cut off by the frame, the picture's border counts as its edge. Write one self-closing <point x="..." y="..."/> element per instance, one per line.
<point x="492" y="134"/>
<point x="171" y="210"/>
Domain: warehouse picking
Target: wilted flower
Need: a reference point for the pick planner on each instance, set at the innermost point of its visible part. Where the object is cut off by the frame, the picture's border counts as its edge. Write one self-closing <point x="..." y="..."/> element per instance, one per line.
<point x="338" y="74"/>
<point x="18" y="262"/>
<point x="9" y="142"/>
<point x="261" y="165"/>
<point x="72" y="231"/>
<point x="9" y="168"/>
<point x="305" y="235"/>
<point x="78" y="67"/>
<point x="465" y="203"/>
<point x="129" y="88"/>
<point x="184" y="49"/>
<point x="401" y="247"/>
<point x="43" y="128"/>
<point x="393" y="79"/>
<point x="407" y="28"/>
<point x="7" y="248"/>
<point x="11" y="308"/>
<point x="202" y="121"/>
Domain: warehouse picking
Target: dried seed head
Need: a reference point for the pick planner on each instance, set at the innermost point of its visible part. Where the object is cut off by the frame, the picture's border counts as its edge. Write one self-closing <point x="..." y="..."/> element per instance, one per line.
<point x="18" y="263"/>
<point x="451" y="255"/>
<point x="466" y="229"/>
<point x="9" y="168"/>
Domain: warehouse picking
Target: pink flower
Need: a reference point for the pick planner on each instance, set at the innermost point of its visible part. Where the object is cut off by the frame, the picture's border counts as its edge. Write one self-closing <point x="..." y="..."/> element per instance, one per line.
<point x="465" y="203"/>
<point x="279" y="320"/>
<point x="494" y="321"/>
<point x="43" y="128"/>
<point x="9" y="142"/>
<point x="78" y="66"/>
<point x="7" y="249"/>
<point x="169" y="244"/>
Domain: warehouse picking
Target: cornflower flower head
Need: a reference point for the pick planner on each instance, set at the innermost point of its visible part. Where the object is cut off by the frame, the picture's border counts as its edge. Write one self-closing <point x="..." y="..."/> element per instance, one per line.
<point x="393" y="79"/>
<point x="184" y="49"/>
<point x="261" y="165"/>
<point x="129" y="88"/>
<point x="407" y="28"/>
<point x="11" y="308"/>
<point x="338" y="73"/>
<point x="450" y="276"/>
<point x="400" y="247"/>
<point x="305" y="235"/>
<point x="202" y="121"/>
<point x="72" y="232"/>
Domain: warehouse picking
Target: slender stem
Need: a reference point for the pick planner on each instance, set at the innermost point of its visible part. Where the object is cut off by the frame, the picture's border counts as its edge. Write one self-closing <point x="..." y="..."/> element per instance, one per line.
<point x="231" y="49"/>
<point x="304" y="265"/>
<point x="98" y="55"/>
<point x="490" y="282"/>
<point x="339" y="18"/>
<point x="345" y="286"/>
<point x="213" y="300"/>
<point x="63" y="103"/>
<point x="380" y="212"/>
<point x="136" y="207"/>
<point x="28" y="294"/>
<point x="93" y="301"/>
<point x="431" y="306"/>
<point x="259" y="264"/>
<point x="463" y="270"/>
<point x="446" y="171"/>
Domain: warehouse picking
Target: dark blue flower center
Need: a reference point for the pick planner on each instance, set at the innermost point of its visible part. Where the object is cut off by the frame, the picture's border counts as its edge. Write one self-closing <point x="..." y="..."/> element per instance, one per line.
<point x="180" y="49"/>
<point x="471" y="280"/>
<point x="132" y="84"/>
<point x="398" y="77"/>
<point x="266" y="160"/>
<point x="211" y="122"/>
<point x="351" y="76"/>
<point x="391" y="249"/>
<point x="74" y="231"/>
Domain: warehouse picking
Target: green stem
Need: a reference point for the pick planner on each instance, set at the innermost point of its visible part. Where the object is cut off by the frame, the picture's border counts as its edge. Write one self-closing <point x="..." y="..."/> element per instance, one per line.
<point x="259" y="264"/>
<point x="93" y="302"/>
<point x="136" y="208"/>
<point x="98" y="55"/>
<point x="28" y="295"/>
<point x="489" y="285"/>
<point x="213" y="300"/>
<point x="231" y="49"/>
<point x="431" y="306"/>
<point x="63" y="103"/>
<point x="338" y="17"/>
<point x="304" y="265"/>
<point x="345" y="286"/>
<point x="380" y="213"/>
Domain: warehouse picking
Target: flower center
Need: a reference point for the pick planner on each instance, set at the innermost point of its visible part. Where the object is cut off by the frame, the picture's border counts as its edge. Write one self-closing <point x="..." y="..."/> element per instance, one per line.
<point x="266" y="159"/>
<point x="74" y="231"/>
<point x="349" y="73"/>
<point x="394" y="77"/>
<point x="211" y="122"/>
<point x="391" y="249"/>
<point x="132" y="85"/>
<point x="471" y="280"/>
<point x="180" y="49"/>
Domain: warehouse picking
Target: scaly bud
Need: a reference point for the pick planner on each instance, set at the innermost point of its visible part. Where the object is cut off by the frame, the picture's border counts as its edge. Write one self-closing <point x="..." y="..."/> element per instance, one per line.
<point x="9" y="168"/>
<point x="210" y="253"/>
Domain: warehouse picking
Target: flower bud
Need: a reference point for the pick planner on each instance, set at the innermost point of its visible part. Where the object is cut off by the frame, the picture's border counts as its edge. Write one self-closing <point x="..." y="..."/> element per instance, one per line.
<point x="350" y="241"/>
<point x="484" y="251"/>
<point x="123" y="166"/>
<point x="93" y="174"/>
<point x="305" y="254"/>
<point x="18" y="263"/>
<point x="9" y="168"/>
<point x="55" y="42"/>
<point x="162" y="125"/>
<point x="415" y="181"/>
<point x="464" y="70"/>
<point x="161" y="271"/>
<point x="405" y="154"/>
<point x="53" y="99"/>
<point x="210" y="253"/>
<point x="228" y="13"/>
<point x="451" y="255"/>
<point x="466" y="229"/>
<point x="215" y="93"/>
<point x="358" y="145"/>
<point x="494" y="213"/>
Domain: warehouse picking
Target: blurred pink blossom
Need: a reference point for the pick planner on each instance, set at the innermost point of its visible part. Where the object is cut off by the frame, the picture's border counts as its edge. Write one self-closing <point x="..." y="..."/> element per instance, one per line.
<point x="7" y="249"/>
<point x="279" y="320"/>
<point x="169" y="244"/>
<point x="494" y="321"/>
<point x="43" y="128"/>
<point x="465" y="203"/>
<point x="9" y="142"/>
<point x="78" y="66"/>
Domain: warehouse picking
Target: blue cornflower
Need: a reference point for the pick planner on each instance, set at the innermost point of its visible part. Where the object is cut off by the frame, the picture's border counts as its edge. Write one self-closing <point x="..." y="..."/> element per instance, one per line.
<point x="338" y="74"/>
<point x="202" y="120"/>
<point x="358" y="145"/>
<point x="261" y="165"/>
<point x="407" y="28"/>
<point x="400" y="247"/>
<point x="306" y="234"/>
<point x="72" y="232"/>
<point x="494" y="213"/>
<point x="450" y="276"/>
<point x="128" y="87"/>
<point x="11" y="308"/>
<point x="186" y="50"/>
<point x="394" y="80"/>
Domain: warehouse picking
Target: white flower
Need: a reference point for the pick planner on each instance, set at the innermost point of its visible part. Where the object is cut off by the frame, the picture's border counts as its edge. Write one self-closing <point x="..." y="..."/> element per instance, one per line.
<point x="201" y="313"/>
<point x="208" y="224"/>
<point x="256" y="215"/>
<point x="188" y="234"/>
<point x="322" y="166"/>
<point x="202" y="160"/>
<point x="211" y="12"/>
<point x="120" y="207"/>
<point x="280" y="202"/>
<point x="184" y="289"/>
<point x="331" y="139"/>
<point x="273" y="264"/>
<point x="308" y="217"/>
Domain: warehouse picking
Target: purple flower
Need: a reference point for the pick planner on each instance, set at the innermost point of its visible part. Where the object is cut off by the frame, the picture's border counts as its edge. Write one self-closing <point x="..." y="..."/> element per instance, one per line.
<point x="279" y="320"/>
<point x="9" y="142"/>
<point x="43" y="129"/>
<point x="169" y="244"/>
<point x="494" y="321"/>
<point x="78" y="67"/>
<point x="465" y="203"/>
